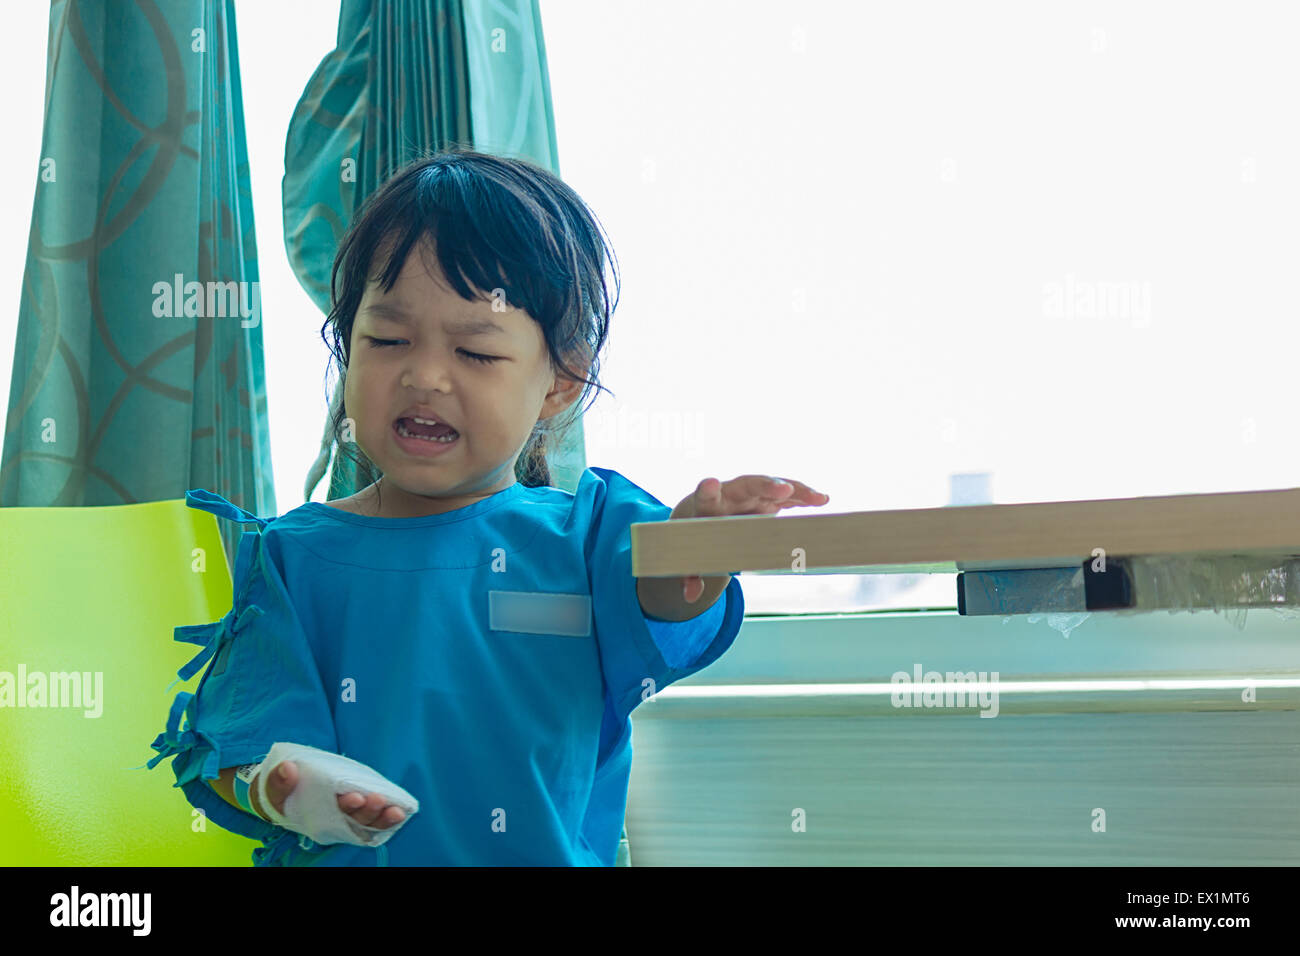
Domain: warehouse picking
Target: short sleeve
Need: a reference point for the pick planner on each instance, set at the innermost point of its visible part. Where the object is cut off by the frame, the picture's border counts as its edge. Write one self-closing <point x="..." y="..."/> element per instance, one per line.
<point x="262" y="686"/>
<point x="683" y="642"/>
<point x="633" y="648"/>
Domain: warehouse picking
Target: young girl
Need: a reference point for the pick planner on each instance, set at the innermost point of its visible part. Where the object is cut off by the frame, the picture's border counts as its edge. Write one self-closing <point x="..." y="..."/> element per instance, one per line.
<point x="464" y="630"/>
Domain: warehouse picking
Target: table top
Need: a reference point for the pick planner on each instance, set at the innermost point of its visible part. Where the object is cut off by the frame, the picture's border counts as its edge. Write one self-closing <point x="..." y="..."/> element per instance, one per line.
<point x="972" y="537"/>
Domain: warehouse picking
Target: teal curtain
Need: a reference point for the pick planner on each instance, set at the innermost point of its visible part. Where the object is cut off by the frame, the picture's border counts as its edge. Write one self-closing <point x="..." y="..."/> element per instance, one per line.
<point x="138" y="367"/>
<point x="408" y="77"/>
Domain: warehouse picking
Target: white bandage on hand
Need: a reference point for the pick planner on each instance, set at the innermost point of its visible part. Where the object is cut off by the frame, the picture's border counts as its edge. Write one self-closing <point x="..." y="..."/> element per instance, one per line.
<point x="312" y="807"/>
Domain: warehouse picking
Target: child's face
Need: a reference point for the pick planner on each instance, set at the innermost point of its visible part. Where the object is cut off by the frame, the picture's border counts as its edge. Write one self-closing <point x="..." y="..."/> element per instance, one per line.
<point x="493" y="405"/>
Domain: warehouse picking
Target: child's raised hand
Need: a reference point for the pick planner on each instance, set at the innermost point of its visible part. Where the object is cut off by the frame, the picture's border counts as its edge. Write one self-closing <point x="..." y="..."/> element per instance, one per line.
<point x="746" y="495"/>
<point x="370" y="809"/>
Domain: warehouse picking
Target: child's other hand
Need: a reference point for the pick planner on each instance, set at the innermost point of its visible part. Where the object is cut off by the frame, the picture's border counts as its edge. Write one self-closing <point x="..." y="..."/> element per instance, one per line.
<point x="370" y="809"/>
<point x="746" y="495"/>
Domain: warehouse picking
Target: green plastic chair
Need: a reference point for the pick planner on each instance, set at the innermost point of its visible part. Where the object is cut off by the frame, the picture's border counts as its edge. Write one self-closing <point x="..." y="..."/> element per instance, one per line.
<point x="100" y="591"/>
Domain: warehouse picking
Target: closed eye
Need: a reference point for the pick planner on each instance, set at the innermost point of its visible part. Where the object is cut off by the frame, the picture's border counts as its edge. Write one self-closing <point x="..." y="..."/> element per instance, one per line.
<point x="385" y="343"/>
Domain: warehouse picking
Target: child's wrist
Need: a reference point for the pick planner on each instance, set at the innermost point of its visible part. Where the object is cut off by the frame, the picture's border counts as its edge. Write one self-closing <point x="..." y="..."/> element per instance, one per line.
<point x="245" y="790"/>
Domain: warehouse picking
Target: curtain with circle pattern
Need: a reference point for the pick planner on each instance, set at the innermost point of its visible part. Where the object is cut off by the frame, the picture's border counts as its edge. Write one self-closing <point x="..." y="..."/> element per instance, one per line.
<point x="138" y="366"/>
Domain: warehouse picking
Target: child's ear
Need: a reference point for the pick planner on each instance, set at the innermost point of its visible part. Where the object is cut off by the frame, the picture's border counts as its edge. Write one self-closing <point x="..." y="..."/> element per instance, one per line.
<point x="564" y="392"/>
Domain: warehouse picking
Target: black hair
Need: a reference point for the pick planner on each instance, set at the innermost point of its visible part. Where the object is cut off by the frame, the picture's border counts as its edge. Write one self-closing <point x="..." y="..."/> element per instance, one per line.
<point x="495" y="222"/>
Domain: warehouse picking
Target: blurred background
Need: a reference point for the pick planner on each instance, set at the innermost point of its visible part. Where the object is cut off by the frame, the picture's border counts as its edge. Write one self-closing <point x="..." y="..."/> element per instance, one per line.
<point x="907" y="254"/>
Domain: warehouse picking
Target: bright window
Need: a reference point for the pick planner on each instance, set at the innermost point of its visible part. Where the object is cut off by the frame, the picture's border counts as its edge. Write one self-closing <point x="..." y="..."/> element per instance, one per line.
<point x="920" y="253"/>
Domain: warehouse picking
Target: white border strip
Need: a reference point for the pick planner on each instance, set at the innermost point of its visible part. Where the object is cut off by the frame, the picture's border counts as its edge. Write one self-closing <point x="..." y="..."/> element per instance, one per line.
<point x="1001" y="687"/>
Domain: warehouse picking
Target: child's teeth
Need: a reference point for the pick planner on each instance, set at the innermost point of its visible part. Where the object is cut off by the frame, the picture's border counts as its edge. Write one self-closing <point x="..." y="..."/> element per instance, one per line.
<point x="402" y="431"/>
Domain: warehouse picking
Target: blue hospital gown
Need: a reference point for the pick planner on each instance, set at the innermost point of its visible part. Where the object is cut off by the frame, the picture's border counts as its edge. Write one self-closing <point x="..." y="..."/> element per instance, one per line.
<point x="386" y="640"/>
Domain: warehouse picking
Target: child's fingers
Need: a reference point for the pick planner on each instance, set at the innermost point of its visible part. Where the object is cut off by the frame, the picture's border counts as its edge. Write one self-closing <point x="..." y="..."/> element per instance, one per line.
<point x="370" y="810"/>
<point x="751" y="494"/>
<point x="281" y="783"/>
<point x="392" y="816"/>
<point x="802" y="493"/>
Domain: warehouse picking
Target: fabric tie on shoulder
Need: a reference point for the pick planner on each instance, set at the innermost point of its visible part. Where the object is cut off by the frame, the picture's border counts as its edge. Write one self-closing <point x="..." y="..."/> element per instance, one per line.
<point x="213" y="503"/>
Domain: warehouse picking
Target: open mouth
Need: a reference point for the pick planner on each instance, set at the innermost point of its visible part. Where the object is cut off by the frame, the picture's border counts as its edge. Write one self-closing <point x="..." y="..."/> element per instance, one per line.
<point x="440" y="433"/>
